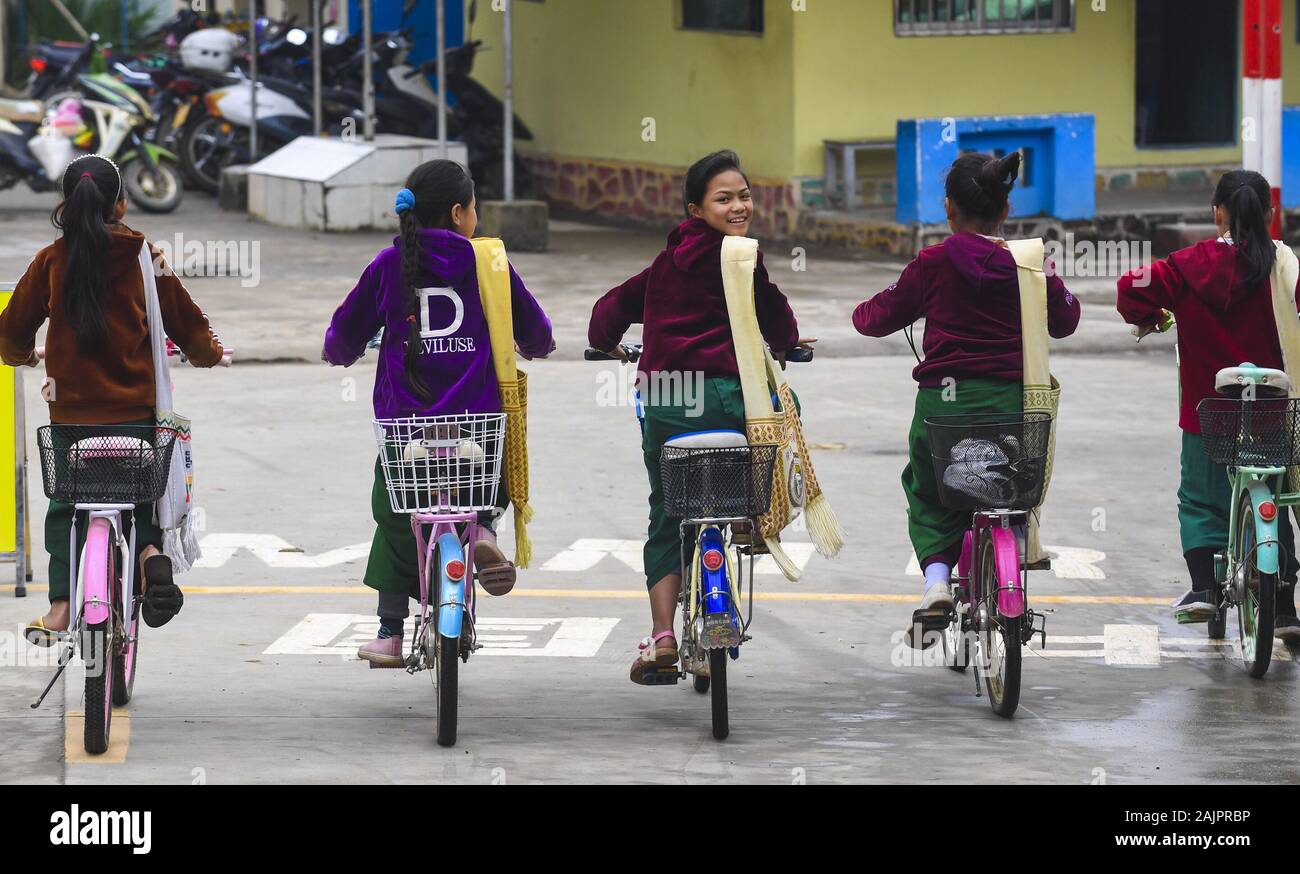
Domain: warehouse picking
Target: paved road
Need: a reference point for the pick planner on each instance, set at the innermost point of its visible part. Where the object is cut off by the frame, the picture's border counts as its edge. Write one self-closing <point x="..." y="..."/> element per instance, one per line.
<point x="237" y="689"/>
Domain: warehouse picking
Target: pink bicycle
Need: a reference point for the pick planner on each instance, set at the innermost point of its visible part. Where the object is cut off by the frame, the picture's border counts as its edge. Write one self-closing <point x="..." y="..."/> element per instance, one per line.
<point x="443" y="471"/>
<point x="993" y="466"/>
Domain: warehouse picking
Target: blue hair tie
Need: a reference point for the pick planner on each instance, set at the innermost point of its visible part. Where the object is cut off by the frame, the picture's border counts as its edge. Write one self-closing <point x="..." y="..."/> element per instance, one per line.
<point x="405" y="200"/>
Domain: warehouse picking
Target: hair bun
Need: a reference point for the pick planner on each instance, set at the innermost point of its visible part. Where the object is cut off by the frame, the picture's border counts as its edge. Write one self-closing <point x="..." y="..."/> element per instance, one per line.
<point x="998" y="176"/>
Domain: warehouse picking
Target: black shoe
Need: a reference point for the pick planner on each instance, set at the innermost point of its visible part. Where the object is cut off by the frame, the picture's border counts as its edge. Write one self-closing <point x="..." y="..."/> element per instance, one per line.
<point x="1287" y="628"/>
<point x="162" y="598"/>
<point x="1196" y="606"/>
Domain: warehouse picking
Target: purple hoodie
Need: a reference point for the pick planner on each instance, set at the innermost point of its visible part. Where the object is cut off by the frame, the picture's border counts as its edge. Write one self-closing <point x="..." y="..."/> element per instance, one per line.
<point x="966" y="289"/>
<point x="456" y="359"/>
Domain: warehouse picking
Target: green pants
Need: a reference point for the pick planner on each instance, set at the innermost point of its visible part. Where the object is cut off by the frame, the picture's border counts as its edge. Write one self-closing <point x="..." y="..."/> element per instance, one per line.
<point x="935" y="530"/>
<point x="721" y="407"/>
<point x="393" y="565"/>
<point x="1205" y="502"/>
<point x="58" y="530"/>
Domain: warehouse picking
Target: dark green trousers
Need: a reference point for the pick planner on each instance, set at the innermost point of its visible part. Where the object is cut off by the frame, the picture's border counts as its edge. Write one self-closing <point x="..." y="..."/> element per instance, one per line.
<point x="58" y="531"/>
<point x="934" y="529"/>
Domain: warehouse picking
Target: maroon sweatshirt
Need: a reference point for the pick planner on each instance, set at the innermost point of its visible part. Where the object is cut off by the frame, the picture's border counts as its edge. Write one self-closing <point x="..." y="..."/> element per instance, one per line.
<point x="967" y="291"/>
<point x="1222" y="321"/>
<point x="680" y="301"/>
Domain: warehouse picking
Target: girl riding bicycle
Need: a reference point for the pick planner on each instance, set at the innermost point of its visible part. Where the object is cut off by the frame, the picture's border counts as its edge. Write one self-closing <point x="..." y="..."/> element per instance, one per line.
<point x="1219" y="292"/>
<point x="680" y="302"/>
<point x="967" y="291"/>
<point x="435" y="359"/>
<point x="99" y="361"/>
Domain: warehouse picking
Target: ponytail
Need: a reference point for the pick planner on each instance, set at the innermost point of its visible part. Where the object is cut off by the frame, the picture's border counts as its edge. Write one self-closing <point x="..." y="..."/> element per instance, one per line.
<point x="431" y="191"/>
<point x="91" y="189"/>
<point x="1247" y="197"/>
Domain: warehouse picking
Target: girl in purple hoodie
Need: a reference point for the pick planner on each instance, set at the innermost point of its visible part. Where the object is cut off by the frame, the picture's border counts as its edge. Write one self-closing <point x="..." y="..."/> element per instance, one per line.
<point x="435" y="360"/>
<point x="680" y="303"/>
<point x="967" y="292"/>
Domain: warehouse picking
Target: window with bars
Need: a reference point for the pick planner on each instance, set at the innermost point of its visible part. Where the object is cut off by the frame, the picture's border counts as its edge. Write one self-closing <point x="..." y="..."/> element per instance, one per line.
<point x="738" y="16"/>
<point x="955" y="17"/>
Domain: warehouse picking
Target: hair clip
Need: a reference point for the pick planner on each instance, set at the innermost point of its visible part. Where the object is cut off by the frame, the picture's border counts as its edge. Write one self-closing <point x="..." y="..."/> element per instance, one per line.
<point x="405" y="201"/>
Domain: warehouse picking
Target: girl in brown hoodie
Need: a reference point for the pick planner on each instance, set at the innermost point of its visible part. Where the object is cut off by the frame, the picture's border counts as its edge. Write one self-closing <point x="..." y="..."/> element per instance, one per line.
<point x="89" y="286"/>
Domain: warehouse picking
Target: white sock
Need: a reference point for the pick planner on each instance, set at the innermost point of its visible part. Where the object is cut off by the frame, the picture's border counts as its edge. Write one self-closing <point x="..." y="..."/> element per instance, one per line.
<point x="937" y="573"/>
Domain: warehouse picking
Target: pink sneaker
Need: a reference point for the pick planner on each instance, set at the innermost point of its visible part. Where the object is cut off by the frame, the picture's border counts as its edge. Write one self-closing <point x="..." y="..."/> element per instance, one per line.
<point x="383" y="652"/>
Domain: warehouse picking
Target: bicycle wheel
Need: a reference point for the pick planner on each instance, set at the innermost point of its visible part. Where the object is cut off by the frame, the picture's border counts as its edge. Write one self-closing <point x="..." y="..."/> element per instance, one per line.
<point x="128" y="645"/>
<point x="718" y="686"/>
<point x="1256" y="594"/>
<point x="96" y="651"/>
<point x="700" y="684"/>
<point x="956" y="643"/>
<point x="999" y="641"/>
<point x="445" y="669"/>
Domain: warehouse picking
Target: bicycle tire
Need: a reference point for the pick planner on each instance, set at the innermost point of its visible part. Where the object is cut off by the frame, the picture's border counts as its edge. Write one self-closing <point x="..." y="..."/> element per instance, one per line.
<point x="125" y="660"/>
<point x="1255" y="612"/>
<point x="718" y="690"/>
<point x="446" y="667"/>
<point x="700" y="684"/>
<point x="95" y="650"/>
<point x="1003" y="683"/>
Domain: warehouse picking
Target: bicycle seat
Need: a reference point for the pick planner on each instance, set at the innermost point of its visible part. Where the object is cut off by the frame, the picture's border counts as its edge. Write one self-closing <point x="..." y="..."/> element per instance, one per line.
<point x="21" y="110"/>
<point x="709" y="440"/>
<point x="1233" y="380"/>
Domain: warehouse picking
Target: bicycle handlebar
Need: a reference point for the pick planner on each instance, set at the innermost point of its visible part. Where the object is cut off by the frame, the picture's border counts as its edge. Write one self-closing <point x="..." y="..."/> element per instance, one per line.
<point x="797" y="355"/>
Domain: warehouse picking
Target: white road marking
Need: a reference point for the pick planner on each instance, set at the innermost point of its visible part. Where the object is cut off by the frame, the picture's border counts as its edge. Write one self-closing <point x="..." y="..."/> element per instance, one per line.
<point x="274" y="551"/>
<point x="1132" y="644"/>
<point x="585" y="554"/>
<point x="1068" y="563"/>
<point x="339" y="635"/>
<point x="1142" y="646"/>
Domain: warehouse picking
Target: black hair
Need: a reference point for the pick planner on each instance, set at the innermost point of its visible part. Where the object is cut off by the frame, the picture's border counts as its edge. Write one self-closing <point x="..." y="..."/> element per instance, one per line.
<point x="696" y="184"/>
<point x="92" y="187"/>
<point x="978" y="185"/>
<point x="1247" y="197"/>
<point x="438" y="186"/>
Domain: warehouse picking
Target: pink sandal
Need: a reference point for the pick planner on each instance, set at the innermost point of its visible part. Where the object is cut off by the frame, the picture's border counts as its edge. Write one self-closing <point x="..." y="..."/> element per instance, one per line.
<point x="652" y="657"/>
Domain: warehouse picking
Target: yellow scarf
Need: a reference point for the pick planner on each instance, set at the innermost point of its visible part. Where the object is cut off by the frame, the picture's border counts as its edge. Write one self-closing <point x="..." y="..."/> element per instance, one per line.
<point x="1286" y="271"/>
<point x="494" y="291"/>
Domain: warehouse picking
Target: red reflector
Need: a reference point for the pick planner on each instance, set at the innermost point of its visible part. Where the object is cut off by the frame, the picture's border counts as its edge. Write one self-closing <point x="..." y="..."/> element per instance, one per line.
<point x="712" y="559"/>
<point x="455" y="569"/>
<point x="38" y="64"/>
<point x="1268" y="511"/>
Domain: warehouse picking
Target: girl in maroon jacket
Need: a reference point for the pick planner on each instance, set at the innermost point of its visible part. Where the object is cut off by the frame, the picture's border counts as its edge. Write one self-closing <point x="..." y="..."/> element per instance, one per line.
<point x="967" y="291"/>
<point x="1219" y="292"/>
<point x="679" y="301"/>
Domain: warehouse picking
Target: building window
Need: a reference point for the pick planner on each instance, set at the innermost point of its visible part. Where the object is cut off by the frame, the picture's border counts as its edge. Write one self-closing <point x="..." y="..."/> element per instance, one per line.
<point x="956" y="17"/>
<point x="738" y="16"/>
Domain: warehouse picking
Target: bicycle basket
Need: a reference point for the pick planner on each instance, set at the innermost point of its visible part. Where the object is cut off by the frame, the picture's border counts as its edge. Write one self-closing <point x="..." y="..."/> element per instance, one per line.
<point x="105" y="464"/>
<point x="990" y="461"/>
<point x="732" y="483"/>
<point x="442" y="464"/>
<point x="1258" y="433"/>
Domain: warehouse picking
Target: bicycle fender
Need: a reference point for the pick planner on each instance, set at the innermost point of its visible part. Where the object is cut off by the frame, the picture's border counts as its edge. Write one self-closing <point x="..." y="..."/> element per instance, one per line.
<point x="451" y="593"/>
<point x="1006" y="557"/>
<point x="94" y="572"/>
<point x="1266" y="553"/>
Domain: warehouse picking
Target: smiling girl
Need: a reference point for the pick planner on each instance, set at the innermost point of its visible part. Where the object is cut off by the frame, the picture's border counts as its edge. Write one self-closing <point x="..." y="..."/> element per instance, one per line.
<point x="679" y="301"/>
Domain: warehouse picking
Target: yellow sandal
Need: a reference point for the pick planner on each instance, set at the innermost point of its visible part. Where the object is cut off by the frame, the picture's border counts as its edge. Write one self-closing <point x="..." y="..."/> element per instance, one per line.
<point x="38" y="635"/>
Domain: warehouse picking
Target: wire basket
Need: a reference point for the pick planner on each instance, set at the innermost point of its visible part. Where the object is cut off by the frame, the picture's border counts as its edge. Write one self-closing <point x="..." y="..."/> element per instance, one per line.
<point x="990" y="461"/>
<point x="731" y="483"/>
<point x="1258" y="433"/>
<point x="105" y="464"/>
<point x="442" y="464"/>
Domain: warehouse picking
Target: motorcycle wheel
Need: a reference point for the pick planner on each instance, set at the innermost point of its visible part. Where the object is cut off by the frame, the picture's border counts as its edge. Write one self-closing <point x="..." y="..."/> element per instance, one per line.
<point x="153" y="189"/>
<point x="206" y="149"/>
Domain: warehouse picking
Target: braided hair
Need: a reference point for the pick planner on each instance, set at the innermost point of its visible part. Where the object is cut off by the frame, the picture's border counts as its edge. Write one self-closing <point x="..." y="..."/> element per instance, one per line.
<point x="432" y="189"/>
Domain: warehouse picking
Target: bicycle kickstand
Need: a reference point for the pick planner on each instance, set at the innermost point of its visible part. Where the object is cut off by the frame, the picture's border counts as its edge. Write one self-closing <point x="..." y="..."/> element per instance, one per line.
<point x="64" y="660"/>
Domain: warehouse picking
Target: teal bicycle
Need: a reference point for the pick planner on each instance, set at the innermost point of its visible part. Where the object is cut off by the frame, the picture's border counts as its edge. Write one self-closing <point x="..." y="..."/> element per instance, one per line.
<point x="1253" y="429"/>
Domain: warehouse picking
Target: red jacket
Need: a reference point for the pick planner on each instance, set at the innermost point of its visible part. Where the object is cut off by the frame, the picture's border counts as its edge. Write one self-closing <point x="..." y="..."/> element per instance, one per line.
<point x="1222" y="322"/>
<point x="680" y="302"/>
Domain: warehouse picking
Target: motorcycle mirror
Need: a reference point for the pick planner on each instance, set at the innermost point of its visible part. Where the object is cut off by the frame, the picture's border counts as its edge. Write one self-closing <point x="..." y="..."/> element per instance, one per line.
<point x="408" y="7"/>
<point x="333" y="36"/>
<point x="473" y="10"/>
<point x="297" y="36"/>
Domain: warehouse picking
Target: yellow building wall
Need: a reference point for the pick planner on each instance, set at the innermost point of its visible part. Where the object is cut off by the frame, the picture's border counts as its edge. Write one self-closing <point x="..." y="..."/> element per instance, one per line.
<point x="589" y="72"/>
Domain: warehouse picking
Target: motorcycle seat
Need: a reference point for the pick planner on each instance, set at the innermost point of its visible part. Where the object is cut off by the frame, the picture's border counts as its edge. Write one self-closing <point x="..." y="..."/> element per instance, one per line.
<point x="22" y="110"/>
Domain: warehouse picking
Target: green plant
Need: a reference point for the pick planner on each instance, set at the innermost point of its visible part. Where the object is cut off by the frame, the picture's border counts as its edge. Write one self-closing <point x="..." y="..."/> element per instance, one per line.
<point x="42" y="19"/>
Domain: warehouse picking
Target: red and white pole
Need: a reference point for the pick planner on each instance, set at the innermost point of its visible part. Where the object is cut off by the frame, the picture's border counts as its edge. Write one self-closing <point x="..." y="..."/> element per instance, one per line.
<point x="1261" y="104"/>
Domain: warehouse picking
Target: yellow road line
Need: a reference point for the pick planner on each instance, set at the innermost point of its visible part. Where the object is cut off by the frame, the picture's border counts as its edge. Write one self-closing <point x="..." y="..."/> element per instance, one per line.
<point x="74" y="739"/>
<point x="849" y="597"/>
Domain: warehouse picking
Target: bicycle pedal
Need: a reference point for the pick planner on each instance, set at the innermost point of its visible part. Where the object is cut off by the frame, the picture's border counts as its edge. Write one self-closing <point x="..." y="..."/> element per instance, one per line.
<point x="928" y="624"/>
<point x="661" y="677"/>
